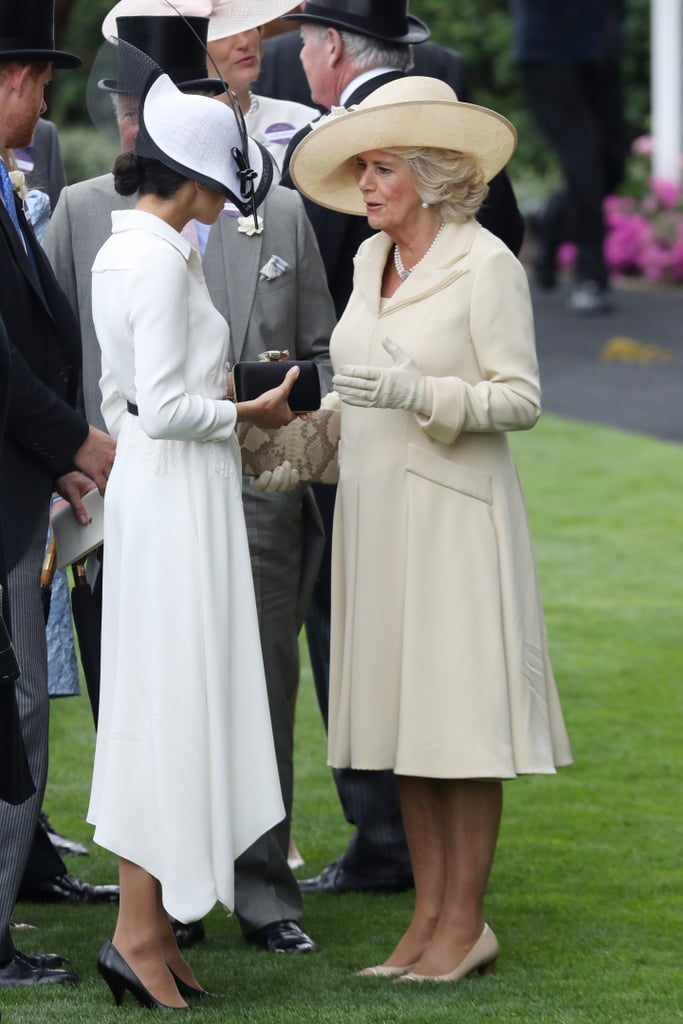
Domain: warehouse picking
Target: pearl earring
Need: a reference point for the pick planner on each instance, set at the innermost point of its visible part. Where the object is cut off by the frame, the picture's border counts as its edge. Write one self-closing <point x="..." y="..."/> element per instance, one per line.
<point x="425" y="206"/>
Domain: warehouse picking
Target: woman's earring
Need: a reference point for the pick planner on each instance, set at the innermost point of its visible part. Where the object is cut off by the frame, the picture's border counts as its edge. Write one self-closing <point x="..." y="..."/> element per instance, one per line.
<point x="425" y="206"/>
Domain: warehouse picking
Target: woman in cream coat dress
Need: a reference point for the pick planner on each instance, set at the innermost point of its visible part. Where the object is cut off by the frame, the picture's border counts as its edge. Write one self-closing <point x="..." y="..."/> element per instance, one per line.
<point x="440" y="667"/>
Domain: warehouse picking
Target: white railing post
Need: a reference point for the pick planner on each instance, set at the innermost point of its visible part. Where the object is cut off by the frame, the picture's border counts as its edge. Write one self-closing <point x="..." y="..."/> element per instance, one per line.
<point x="667" y="88"/>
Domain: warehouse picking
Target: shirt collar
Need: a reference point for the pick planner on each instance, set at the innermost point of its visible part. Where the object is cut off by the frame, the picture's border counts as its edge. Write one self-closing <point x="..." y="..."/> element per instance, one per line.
<point x="361" y="79"/>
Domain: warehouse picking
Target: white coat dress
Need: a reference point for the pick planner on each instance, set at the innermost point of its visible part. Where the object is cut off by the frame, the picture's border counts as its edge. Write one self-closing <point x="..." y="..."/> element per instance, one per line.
<point x="439" y="660"/>
<point x="185" y="777"/>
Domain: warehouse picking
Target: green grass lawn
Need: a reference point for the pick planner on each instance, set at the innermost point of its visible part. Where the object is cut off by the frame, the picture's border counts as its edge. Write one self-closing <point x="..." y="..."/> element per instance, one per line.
<point x="585" y="895"/>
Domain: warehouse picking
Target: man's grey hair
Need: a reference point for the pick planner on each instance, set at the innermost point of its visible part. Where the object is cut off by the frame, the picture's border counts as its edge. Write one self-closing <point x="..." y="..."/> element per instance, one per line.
<point x="368" y="53"/>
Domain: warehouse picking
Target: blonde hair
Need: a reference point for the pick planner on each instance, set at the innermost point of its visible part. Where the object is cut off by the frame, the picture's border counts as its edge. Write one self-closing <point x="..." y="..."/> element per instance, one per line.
<point x="446" y="178"/>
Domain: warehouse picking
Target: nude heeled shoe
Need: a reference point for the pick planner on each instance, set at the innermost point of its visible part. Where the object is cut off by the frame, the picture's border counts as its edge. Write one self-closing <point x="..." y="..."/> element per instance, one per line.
<point x="383" y="971"/>
<point x="482" y="958"/>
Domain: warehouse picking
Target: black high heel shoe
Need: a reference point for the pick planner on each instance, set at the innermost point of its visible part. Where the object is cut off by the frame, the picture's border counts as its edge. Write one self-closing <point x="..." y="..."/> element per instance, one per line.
<point x="189" y="991"/>
<point x="119" y="977"/>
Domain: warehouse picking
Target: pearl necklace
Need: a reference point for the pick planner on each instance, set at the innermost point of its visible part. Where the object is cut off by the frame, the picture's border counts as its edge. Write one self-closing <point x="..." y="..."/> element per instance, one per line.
<point x="398" y="262"/>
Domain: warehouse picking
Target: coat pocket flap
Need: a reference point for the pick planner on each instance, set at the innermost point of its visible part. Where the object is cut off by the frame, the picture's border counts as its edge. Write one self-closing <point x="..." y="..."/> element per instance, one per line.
<point x="449" y="474"/>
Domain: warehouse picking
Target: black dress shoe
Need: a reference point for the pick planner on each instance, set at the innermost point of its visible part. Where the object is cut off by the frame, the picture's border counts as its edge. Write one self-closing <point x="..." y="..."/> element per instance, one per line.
<point x="19" y="971"/>
<point x="65" y="847"/>
<point x="49" y="960"/>
<point x="67" y="889"/>
<point x="334" y="879"/>
<point x="283" y="937"/>
<point x="187" y="935"/>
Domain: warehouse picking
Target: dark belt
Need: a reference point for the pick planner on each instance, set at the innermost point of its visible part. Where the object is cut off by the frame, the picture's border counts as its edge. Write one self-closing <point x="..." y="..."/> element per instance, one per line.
<point x="132" y="409"/>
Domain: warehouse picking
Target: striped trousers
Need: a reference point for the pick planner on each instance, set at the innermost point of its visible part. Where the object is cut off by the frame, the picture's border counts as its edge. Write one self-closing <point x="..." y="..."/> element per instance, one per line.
<point x="17" y="824"/>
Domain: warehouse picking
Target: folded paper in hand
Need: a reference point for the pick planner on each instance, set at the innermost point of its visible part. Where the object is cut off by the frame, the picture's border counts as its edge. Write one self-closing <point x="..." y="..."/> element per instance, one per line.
<point x="74" y="541"/>
<point x="309" y="445"/>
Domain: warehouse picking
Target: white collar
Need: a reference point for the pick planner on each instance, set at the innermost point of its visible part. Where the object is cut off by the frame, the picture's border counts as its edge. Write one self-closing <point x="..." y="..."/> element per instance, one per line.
<point x="132" y="220"/>
<point x="361" y="79"/>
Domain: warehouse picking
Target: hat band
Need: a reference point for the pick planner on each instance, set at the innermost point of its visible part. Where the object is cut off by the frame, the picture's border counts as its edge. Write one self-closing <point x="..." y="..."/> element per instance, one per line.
<point x="355" y="14"/>
<point x="9" y="43"/>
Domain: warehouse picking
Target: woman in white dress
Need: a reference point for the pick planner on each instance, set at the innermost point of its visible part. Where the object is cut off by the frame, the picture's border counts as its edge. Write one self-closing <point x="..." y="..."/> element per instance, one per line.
<point x="439" y="662"/>
<point x="181" y="658"/>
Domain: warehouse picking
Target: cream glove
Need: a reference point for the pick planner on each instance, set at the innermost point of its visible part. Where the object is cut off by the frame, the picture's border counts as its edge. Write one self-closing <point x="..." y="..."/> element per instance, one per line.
<point x="276" y="481"/>
<point x="401" y="386"/>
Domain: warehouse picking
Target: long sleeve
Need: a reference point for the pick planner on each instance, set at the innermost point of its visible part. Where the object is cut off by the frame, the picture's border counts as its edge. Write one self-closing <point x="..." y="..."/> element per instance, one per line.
<point x="502" y="334"/>
<point x="159" y="320"/>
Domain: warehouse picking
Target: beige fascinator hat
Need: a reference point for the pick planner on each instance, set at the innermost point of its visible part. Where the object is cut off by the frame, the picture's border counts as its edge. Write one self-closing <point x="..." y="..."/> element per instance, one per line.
<point x="226" y="17"/>
<point x="411" y="111"/>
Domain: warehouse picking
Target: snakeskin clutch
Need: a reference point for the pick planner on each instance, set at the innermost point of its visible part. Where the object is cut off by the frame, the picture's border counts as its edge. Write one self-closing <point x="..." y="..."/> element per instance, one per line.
<point x="309" y="445"/>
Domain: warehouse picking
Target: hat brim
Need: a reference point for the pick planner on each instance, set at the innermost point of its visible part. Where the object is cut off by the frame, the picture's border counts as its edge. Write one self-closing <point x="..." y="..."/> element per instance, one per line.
<point x="228" y="19"/>
<point x="210" y="86"/>
<point x="59" y="58"/>
<point x="225" y="19"/>
<point x="417" y="32"/>
<point x="323" y="168"/>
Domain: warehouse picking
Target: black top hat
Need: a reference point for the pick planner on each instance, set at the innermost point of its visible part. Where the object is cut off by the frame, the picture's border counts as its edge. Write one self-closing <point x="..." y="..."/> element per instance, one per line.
<point x="387" y="20"/>
<point x="27" y="33"/>
<point x="178" y="45"/>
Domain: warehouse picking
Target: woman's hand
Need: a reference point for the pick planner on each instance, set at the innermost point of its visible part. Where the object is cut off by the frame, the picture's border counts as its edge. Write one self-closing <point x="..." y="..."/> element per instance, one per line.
<point x="270" y="409"/>
<point x="281" y="480"/>
<point x="402" y="386"/>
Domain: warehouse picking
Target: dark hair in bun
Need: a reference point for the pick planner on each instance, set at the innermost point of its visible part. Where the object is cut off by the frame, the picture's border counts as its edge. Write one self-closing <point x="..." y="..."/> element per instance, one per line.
<point x="133" y="173"/>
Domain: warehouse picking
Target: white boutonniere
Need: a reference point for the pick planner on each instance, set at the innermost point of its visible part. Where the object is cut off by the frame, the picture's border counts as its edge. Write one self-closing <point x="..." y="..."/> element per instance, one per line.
<point x="18" y="180"/>
<point x="335" y="112"/>
<point x="246" y="226"/>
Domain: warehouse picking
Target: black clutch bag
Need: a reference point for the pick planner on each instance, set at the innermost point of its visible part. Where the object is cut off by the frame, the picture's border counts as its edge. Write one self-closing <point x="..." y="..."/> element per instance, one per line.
<point x="251" y="379"/>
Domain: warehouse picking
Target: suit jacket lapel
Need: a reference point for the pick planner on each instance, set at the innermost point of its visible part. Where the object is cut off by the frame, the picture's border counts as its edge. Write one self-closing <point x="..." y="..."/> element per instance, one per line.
<point x="20" y="255"/>
<point x="235" y="257"/>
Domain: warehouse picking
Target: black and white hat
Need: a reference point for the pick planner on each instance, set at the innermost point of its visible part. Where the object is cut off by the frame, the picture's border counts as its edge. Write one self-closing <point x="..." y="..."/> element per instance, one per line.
<point x="200" y="138"/>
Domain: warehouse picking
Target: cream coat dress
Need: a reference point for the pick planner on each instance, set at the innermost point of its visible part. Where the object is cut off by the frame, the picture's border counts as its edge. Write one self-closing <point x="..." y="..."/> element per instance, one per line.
<point x="185" y="777"/>
<point x="439" y="660"/>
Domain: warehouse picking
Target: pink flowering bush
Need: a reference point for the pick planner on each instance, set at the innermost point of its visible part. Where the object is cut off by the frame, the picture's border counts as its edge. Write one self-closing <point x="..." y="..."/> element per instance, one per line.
<point x="644" y="231"/>
<point x="645" y="236"/>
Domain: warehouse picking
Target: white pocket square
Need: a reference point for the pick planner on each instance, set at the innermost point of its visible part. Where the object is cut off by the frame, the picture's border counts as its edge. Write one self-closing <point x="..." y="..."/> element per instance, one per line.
<point x="275" y="267"/>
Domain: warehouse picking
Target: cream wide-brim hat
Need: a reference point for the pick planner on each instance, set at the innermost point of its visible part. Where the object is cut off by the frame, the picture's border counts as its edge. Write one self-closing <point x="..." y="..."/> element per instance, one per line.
<point x="226" y="17"/>
<point x="410" y="111"/>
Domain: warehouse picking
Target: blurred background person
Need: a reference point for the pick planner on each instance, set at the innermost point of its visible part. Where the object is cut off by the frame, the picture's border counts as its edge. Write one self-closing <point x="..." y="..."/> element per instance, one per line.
<point x="569" y="59"/>
<point x="271" y="121"/>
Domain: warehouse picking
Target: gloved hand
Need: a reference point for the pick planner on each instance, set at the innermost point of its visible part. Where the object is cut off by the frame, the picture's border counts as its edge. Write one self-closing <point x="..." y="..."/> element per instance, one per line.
<point x="276" y="481"/>
<point x="402" y="386"/>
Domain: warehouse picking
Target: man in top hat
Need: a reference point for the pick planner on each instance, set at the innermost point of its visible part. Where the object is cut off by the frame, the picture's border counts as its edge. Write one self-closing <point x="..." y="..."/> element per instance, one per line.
<point x="46" y="444"/>
<point x="292" y="310"/>
<point x="349" y="49"/>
